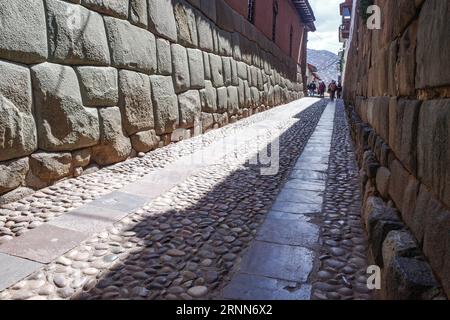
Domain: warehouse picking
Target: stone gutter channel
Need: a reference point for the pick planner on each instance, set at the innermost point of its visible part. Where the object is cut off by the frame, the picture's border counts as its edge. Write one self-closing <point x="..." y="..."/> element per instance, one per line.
<point x="100" y="230"/>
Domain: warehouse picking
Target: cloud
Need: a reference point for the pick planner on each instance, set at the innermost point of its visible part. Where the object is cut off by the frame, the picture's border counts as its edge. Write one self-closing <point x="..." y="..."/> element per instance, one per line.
<point x="327" y="23"/>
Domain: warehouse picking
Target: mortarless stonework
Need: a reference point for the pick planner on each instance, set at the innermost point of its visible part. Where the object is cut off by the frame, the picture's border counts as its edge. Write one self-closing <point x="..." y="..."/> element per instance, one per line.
<point x="88" y="82"/>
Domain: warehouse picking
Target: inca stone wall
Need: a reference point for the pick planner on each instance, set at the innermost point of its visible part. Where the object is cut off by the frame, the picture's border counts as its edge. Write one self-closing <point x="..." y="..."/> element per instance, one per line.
<point x="89" y="83"/>
<point x="397" y="90"/>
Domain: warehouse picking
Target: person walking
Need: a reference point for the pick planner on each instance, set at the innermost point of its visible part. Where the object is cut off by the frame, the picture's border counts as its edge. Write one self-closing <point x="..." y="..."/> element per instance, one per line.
<point x="322" y="88"/>
<point x="339" y="90"/>
<point x="332" y="88"/>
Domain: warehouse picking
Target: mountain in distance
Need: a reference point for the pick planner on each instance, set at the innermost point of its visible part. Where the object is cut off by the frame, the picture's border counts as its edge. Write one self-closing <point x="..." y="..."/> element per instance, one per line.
<point x="326" y="62"/>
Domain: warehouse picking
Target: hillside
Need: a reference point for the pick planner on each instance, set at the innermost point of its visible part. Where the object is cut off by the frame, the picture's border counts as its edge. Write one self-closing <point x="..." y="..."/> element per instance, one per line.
<point x="326" y="62"/>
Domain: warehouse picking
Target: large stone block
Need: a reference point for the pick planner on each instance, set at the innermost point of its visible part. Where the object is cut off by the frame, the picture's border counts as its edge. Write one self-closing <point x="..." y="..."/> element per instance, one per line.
<point x="226" y="70"/>
<point x="403" y="122"/>
<point x="12" y="174"/>
<point x="399" y="179"/>
<point x="233" y="100"/>
<point x="399" y="243"/>
<point x="207" y="66"/>
<point x="23" y="36"/>
<point x="114" y="145"/>
<point x="50" y="167"/>
<point x="234" y="73"/>
<point x="222" y="99"/>
<point x="135" y="102"/>
<point x="63" y="122"/>
<point x="190" y="108"/>
<point x="433" y="147"/>
<point x="145" y="141"/>
<point x="164" y="57"/>
<point x="180" y="66"/>
<point x="209" y="9"/>
<point x="17" y="127"/>
<point x="186" y="25"/>
<point x="196" y="69"/>
<point x="204" y="30"/>
<point x="225" y="47"/>
<point x="165" y="104"/>
<point x="76" y="35"/>
<point x="242" y="70"/>
<point x="132" y="48"/>
<point x="433" y="45"/>
<point x="216" y="70"/>
<point x="208" y="98"/>
<point x="161" y="19"/>
<point x="406" y="64"/>
<point x="116" y="8"/>
<point x="139" y="13"/>
<point x="98" y="86"/>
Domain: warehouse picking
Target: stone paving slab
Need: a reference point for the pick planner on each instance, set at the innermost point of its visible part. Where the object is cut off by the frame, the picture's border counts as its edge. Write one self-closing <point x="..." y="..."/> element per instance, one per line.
<point x="43" y="244"/>
<point x="253" y="287"/>
<point x="300" y="184"/>
<point x="120" y="201"/>
<point x="297" y="208"/>
<point x="14" y="269"/>
<point x="302" y="196"/>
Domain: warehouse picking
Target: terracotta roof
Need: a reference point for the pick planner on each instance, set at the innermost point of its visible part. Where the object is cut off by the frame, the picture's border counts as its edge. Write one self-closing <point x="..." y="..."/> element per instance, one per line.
<point x="306" y="13"/>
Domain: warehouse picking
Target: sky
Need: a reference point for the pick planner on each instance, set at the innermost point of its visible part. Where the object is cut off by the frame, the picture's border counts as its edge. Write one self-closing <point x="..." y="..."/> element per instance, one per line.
<point x="327" y="23"/>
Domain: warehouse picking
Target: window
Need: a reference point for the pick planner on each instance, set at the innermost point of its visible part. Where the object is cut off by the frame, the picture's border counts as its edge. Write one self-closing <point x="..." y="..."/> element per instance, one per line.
<point x="274" y="20"/>
<point x="291" y="36"/>
<point x="251" y="11"/>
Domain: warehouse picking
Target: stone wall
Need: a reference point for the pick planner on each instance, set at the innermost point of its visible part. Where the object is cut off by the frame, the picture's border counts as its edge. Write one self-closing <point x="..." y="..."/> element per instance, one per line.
<point x="397" y="92"/>
<point x="89" y="83"/>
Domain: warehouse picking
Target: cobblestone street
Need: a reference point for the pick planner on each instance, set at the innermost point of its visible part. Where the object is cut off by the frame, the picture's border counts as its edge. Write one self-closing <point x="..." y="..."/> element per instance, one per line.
<point x="186" y="229"/>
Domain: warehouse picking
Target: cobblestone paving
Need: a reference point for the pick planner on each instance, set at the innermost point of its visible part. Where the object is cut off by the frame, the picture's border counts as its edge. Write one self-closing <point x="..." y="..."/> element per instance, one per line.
<point x="182" y="245"/>
<point x="21" y="216"/>
<point x="342" y="273"/>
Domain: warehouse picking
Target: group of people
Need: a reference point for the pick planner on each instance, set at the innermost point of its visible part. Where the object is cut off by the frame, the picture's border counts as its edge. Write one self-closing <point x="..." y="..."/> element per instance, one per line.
<point x="334" y="89"/>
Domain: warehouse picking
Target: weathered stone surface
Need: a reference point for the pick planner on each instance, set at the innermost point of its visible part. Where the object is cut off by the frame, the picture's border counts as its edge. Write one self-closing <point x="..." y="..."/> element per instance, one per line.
<point x="51" y="167"/>
<point x="204" y="30"/>
<point x="165" y="104"/>
<point x="233" y="100"/>
<point x="81" y="158"/>
<point x="145" y="141"/>
<point x="216" y="70"/>
<point x="222" y="99"/>
<point x="242" y="70"/>
<point x="23" y="36"/>
<point x="164" y="57"/>
<point x="406" y="64"/>
<point x="433" y="45"/>
<point x="209" y="8"/>
<point x="180" y="67"/>
<point x="225" y="48"/>
<point x="17" y="128"/>
<point x="161" y="19"/>
<point x="206" y="66"/>
<point x="189" y="108"/>
<point x="186" y="25"/>
<point x="408" y="279"/>
<point x="135" y="101"/>
<point x="98" y="86"/>
<point x="226" y="62"/>
<point x="115" y="8"/>
<point x="16" y="195"/>
<point x="433" y="147"/>
<point x="76" y="35"/>
<point x="62" y="121"/>
<point x="382" y="181"/>
<point x="196" y="69"/>
<point x="208" y="97"/>
<point x="207" y="121"/>
<point x="398" y="181"/>
<point x="114" y="145"/>
<point x="139" y="13"/>
<point x="399" y="243"/>
<point x="403" y="122"/>
<point x="131" y="47"/>
<point x="234" y="73"/>
<point x="12" y="174"/>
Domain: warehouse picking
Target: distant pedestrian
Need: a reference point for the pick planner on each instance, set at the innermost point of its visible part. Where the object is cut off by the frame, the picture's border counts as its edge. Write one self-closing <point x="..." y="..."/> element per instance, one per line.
<point x="322" y="88"/>
<point x="339" y="90"/>
<point x="312" y="89"/>
<point x="332" y="88"/>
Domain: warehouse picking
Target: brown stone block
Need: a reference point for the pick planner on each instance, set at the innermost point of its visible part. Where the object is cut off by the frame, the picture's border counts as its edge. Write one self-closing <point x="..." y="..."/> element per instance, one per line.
<point x="406" y="65"/>
<point x="398" y="181"/>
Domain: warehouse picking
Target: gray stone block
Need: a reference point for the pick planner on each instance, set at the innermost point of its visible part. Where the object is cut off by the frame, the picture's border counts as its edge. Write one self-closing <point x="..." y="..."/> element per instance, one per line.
<point x="14" y="269"/>
<point x="180" y="66"/>
<point x="208" y="98"/>
<point x="222" y="99"/>
<point x="50" y="167"/>
<point x="232" y="100"/>
<point x="165" y="104"/>
<point x="164" y="57"/>
<point x="12" y="174"/>
<point x="189" y="108"/>
<point x="216" y="70"/>
<point x="196" y="69"/>
<point x="186" y="24"/>
<point x="204" y="30"/>
<point x="161" y="19"/>
<point x="139" y="13"/>
<point x="226" y="62"/>
<point x="145" y="141"/>
<point x="99" y="86"/>
<point x="115" y="8"/>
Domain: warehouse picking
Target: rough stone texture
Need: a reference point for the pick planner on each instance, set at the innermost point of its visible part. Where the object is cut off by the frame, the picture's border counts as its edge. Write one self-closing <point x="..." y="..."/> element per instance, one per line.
<point x="208" y="98"/>
<point x="164" y="57"/>
<point x="114" y="145"/>
<point x="116" y="8"/>
<point x="433" y="45"/>
<point x="161" y="19"/>
<point x="233" y="100"/>
<point x="216" y="70"/>
<point x="17" y="127"/>
<point x="186" y="24"/>
<point x="165" y="104"/>
<point x="180" y="67"/>
<point x="131" y="47"/>
<point x="222" y="99"/>
<point x="209" y="8"/>
<point x="382" y="181"/>
<point x="81" y="158"/>
<point x="399" y="243"/>
<point x="204" y="30"/>
<point x="23" y="37"/>
<point x="99" y="86"/>
<point x="138" y="13"/>
<point x="76" y="35"/>
<point x="12" y="174"/>
<point x="189" y="108"/>
<point x="145" y="141"/>
<point x="63" y="122"/>
<point x="135" y="101"/>
<point x="50" y="167"/>
<point x="433" y="159"/>
<point x="196" y="69"/>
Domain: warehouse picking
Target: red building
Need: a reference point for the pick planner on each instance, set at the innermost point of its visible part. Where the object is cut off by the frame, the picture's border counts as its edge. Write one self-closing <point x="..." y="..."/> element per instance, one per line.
<point x="286" y="22"/>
